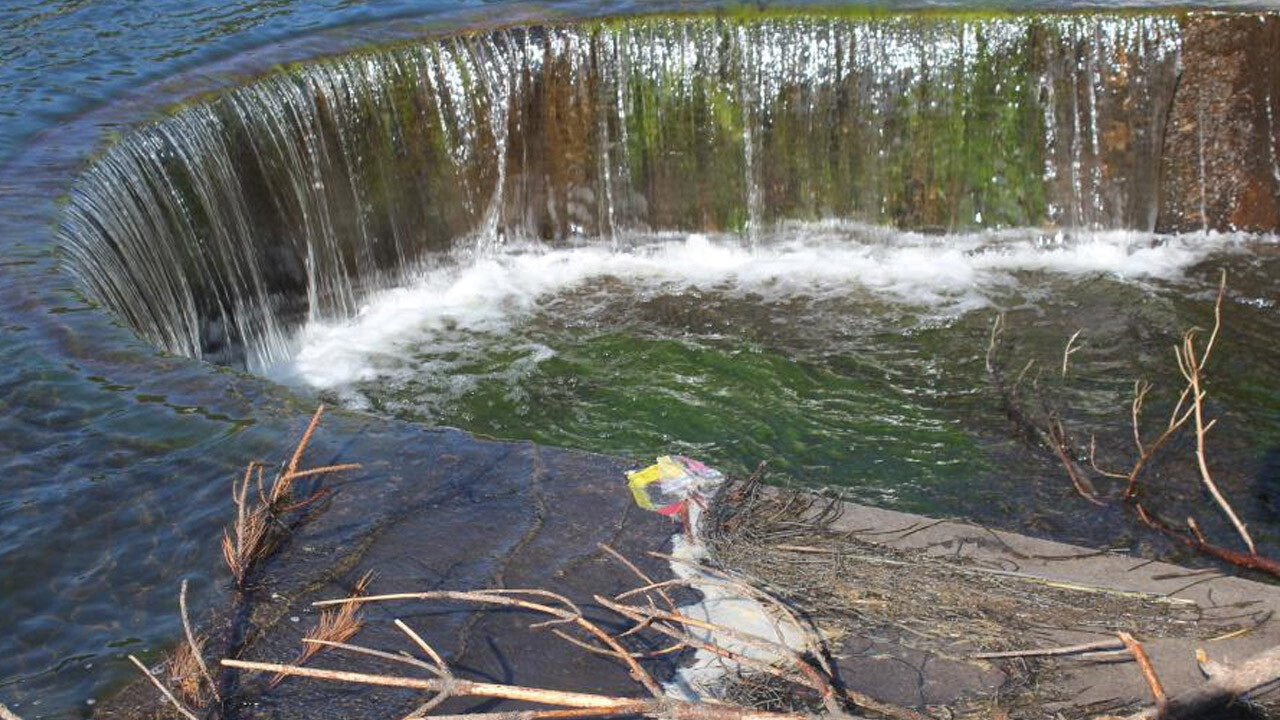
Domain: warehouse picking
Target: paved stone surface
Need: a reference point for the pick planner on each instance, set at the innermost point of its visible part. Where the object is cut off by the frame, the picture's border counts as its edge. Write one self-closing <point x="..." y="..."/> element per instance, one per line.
<point x="1244" y="611"/>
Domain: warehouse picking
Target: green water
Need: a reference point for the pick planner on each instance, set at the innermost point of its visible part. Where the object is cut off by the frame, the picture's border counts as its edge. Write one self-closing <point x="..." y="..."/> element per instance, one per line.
<point x="624" y="391"/>
<point x="877" y="386"/>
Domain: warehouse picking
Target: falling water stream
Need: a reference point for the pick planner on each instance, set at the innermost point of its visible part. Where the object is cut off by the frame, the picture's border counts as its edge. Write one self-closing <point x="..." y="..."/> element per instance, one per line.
<point x="776" y="236"/>
<point x="230" y="222"/>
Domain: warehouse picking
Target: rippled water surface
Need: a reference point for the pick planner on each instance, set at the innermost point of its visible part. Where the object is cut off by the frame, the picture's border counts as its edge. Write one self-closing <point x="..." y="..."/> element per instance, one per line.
<point x="848" y="355"/>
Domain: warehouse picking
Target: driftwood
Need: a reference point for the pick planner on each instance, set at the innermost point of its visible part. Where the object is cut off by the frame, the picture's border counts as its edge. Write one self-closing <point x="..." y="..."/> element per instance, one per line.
<point x="584" y="704"/>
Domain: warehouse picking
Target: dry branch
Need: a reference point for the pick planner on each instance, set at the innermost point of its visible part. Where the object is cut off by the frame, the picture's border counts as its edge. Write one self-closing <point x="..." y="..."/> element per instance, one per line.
<point x="246" y="542"/>
<point x="1191" y="370"/>
<point x="503" y="597"/>
<point x="195" y="644"/>
<point x="1060" y="447"/>
<point x="1069" y="351"/>
<point x="1101" y="645"/>
<point x="662" y="593"/>
<point x="604" y="705"/>
<point x="1189" y="408"/>
<point x="1197" y="542"/>
<point x="440" y="665"/>
<point x="333" y="627"/>
<point x="1144" y="664"/>
<point x="184" y="674"/>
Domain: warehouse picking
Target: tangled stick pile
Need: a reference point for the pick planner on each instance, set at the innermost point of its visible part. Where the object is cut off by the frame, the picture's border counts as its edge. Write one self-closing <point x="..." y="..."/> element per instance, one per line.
<point x="951" y="610"/>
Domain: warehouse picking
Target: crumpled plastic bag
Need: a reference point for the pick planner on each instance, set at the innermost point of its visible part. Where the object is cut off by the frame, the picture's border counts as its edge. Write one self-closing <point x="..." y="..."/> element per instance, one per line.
<point x="668" y="486"/>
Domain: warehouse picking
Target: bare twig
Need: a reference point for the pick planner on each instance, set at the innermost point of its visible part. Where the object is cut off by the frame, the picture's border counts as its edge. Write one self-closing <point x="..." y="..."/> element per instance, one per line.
<point x="993" y="344"/>
<point x="283" y="483"/>
<point x="1068" y="351"/>
<point x="1192" y="370"/>
<point x="636" y="709"/>
<point x="1093" y="461"/>
<point x="1053" y="651"/>
<point x="324" y="470"/>
<point x="163" y="690"/>
<point x="393" y="657"/>
<point x="503" y="597"/>
<point x="1058" y="444"/>
<point x="1144" y="664"/>
<point x="640" y="574"/>
<point x="1140" y="390"/>
<point x="1177" y="419"/>
<point x="197" y="650"/>
<point x="605" y="705"/>
<point x="1249" y="561"/>
<point x="1224" y="687"/>
<point x="459" y="688"/>
<point x="425" y="646"/>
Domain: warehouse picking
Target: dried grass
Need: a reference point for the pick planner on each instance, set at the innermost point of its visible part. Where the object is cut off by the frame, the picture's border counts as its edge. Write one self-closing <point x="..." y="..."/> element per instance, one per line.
<point x="247" y="541"/>
<point x="185" y="676"/>
<point x="335" y="626"/>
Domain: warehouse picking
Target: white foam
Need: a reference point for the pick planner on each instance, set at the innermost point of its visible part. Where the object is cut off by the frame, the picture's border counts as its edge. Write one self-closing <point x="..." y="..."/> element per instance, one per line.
<point x="488" y="293"/>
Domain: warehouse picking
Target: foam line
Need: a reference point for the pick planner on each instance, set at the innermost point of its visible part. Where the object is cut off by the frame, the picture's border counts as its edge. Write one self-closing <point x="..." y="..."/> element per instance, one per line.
<point x="488" y="293"/>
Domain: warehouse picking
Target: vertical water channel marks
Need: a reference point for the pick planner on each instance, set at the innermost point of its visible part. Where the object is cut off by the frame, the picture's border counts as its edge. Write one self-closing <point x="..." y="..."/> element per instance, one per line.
<point x="1217" y="168"/>
<point x="215" y="231"/>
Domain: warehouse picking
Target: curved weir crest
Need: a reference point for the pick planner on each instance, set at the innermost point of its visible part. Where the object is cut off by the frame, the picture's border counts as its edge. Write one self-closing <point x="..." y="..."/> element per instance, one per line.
<point x="219" y="231"/>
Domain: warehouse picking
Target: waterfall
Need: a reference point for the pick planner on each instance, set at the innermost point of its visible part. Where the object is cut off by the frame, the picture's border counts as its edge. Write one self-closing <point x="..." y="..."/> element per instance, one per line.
<point x="218" y="229"/>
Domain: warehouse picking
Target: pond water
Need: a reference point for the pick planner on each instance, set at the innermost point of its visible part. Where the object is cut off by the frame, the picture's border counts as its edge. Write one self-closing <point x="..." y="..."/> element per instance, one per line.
<point x="846" y="353"/>
<point x="848" y="356"/>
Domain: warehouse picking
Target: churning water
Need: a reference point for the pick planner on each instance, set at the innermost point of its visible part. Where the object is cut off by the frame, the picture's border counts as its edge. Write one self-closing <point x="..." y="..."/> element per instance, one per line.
<point x="493" y="231"/>
<point x="846" y="355"/>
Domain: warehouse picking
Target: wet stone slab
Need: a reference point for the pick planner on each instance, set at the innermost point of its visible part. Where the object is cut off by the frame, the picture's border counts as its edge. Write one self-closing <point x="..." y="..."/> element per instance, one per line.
<point x="905" y="601"/>
<point x="460" y="514"/>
